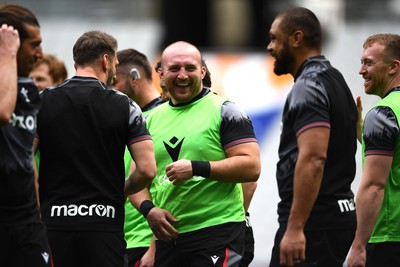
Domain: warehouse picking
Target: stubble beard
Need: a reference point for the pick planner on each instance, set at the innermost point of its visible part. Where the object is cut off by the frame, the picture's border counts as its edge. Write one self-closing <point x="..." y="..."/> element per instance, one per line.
<point x="110" y="78"/>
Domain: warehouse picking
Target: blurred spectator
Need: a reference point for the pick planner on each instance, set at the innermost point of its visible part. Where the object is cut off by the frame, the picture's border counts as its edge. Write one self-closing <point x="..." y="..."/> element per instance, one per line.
<point x="48" y="71"/>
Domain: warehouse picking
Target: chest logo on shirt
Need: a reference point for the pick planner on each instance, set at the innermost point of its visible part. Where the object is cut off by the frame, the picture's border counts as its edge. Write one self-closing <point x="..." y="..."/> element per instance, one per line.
<point x="175" y="149"/>
<point x="27" y="122"/>
<point x="24" y="92"/>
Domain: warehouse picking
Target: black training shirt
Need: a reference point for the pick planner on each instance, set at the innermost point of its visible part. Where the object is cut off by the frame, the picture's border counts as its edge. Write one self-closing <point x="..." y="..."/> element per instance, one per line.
<point x="18" y="203"/>
<point x="83" y="129"/>
<point x="320" y="97"/>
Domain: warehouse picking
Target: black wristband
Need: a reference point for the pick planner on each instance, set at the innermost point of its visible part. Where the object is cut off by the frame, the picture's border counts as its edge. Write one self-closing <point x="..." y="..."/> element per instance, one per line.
<point x="145" y="207"/>
<point x="201" y="168"/>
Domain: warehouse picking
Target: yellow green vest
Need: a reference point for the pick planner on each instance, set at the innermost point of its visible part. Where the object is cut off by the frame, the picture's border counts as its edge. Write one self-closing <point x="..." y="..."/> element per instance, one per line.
<point x="387" y="227"/>
<point x="192" y="132"/>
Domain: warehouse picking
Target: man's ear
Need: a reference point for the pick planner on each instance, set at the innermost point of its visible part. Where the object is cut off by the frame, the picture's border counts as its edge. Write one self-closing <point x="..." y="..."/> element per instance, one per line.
<point x="394" y="67"/>
<point x="160" y="73"/>
<point x="105" y="61"/>
<point x="296" y="38"/>
<point x="203" y="72"/>
<point x="133" y="82"/>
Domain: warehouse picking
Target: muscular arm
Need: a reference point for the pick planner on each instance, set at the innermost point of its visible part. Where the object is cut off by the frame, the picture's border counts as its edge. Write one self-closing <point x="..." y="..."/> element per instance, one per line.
<point x="313" y="146"/>
<point x="241" y="165"/>
<point x="369" y="201"/>
<point x="9" y="45"/>
<point x="143" y="154"/>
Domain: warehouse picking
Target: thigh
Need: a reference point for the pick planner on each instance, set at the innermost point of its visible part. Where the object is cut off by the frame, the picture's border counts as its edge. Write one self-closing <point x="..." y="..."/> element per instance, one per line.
<point x="168" y="255"/>
<point x="274" y="262"/>
<point x="64" y="248"/>
<point x="211" y="246"/>
<point x="220" y="245"/>
<point x="386" y="254"/>
<point x="30" y="246"/>
<point x="135" y="255"/>
<point x="5" y="245"/>
<point x="328" y="247"/>
<point x="323" y="248"/>
<point x="102" y="249"/>
<point x="248" y="254"/>
<point x="223" y="257"/>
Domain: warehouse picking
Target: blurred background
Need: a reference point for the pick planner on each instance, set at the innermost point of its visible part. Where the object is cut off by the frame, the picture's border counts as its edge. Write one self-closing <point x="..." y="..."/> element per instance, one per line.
<point x="232" y="35"/>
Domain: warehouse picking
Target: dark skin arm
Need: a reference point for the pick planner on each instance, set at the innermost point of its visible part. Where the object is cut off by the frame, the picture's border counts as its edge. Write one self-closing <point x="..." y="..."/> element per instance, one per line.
<point x="313" y="146"/>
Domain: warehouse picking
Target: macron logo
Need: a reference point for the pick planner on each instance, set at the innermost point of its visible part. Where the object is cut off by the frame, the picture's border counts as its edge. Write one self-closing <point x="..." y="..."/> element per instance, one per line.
<point x="346" y="205"/>
<point x="214" y="259"/>
<point x="45" y="256"/>
<point x="83" y="210"/>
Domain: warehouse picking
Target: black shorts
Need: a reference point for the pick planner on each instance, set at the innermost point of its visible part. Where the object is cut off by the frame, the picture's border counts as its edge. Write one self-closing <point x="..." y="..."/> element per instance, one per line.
<point x="135" y="255"/>
<point x="82" y="249"/>
<point x="385" y="254"/>
<point x="24" y="245"/>
<point x="248" y="254"/>
<point x="324" y="248"/>
<point x="215" y="246"/>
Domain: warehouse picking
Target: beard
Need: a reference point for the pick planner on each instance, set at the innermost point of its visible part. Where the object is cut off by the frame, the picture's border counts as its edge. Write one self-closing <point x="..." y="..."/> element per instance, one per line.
<point x="284" y="62"/>
<point x="111" y="77"/>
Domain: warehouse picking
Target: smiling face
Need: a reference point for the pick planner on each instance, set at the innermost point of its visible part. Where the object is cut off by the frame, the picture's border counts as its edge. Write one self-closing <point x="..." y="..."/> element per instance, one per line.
<point x="375" y="69"/>
<point x="279" y="48"/>
<point x="182" y="72"/>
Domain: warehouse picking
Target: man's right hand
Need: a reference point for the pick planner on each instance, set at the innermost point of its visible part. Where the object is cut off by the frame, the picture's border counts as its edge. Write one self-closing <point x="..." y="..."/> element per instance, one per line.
<point x="160" y="222"/>
<point x="357" y="256"/>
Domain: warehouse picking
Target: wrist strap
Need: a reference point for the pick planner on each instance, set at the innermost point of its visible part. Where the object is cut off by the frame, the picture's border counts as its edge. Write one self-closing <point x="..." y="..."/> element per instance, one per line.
<point x="201" y="168"/>
<point x="145" y="207"/>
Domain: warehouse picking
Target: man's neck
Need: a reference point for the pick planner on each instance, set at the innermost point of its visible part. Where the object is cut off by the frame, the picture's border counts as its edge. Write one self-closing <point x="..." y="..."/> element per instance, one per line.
<point x="149" y="94"/>
<point x="302" y="56"/>
<point x="91" y="72"/>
